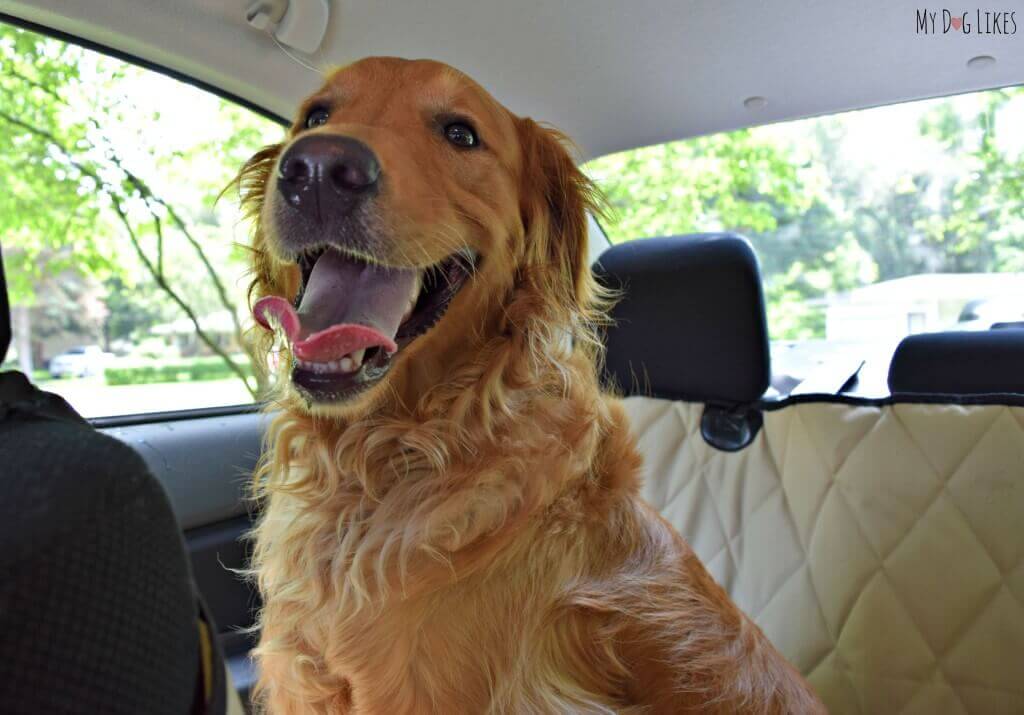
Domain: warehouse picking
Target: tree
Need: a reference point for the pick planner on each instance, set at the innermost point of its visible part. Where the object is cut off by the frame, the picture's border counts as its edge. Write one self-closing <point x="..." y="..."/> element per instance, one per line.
<point x="729" y="181"/>
<point x="131" y="310"/>
<point x="980" y="224"/>
<point x="88" y="189"/>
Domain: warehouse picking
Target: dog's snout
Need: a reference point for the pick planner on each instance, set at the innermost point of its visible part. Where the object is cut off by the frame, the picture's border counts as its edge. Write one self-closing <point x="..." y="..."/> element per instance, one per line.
<point x="323" y="174"/>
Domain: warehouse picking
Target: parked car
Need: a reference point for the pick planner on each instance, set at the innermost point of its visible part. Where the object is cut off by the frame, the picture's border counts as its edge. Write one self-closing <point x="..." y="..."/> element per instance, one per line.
<point x="81" y="361"/>
<point x="982" y="314"/>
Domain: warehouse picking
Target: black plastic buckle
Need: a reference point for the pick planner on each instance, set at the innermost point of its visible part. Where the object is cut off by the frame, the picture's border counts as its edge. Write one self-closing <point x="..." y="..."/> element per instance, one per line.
<point x="730" y="429"/>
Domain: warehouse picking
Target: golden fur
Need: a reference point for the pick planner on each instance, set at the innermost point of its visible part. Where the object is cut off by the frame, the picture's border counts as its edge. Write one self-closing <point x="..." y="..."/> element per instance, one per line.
<point x="466" y="537"/>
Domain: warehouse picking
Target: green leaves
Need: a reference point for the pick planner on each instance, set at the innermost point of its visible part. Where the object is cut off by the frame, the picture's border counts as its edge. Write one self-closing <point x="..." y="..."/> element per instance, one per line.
<point x="725" y="180"/>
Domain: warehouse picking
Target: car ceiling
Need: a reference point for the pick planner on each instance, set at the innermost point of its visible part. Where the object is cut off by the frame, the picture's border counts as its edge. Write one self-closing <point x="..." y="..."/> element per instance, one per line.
<point x="612" y="74"/>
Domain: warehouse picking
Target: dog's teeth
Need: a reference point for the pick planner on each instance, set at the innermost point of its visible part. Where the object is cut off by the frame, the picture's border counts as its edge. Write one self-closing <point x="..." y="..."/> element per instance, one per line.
<point x="349" y="363"/>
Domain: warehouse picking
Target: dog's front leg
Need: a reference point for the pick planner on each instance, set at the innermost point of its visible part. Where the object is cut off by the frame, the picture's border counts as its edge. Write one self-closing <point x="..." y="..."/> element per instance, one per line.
<point x="691" y="649"/>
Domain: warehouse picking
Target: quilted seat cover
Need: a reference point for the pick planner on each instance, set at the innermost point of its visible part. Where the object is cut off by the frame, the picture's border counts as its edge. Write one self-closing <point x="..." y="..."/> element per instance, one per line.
<point x="880" y="548"/>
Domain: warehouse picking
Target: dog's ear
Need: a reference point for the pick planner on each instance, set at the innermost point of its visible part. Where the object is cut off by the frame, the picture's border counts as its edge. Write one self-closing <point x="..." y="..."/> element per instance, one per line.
<point x="555" y="198"/>
<point x="251" y="184"/>
<point x="252" y="179"/>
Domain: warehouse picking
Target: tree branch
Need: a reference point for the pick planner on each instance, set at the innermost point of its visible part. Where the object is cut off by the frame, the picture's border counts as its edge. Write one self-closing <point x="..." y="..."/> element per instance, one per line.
<point x="166" y="287"/>
<point x="12" y="74"/>
<point x="148" y="196"/>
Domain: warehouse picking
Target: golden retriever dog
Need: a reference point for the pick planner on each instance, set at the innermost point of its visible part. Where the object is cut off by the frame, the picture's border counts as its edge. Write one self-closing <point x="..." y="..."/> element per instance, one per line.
<point x="451" y="521"/>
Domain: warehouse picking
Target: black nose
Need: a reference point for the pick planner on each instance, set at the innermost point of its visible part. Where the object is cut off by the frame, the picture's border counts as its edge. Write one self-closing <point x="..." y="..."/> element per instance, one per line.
<point x="324" y="175"/>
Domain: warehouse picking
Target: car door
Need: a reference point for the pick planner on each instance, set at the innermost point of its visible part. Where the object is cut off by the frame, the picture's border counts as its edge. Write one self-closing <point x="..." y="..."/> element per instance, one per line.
<point x="204" y="458"/>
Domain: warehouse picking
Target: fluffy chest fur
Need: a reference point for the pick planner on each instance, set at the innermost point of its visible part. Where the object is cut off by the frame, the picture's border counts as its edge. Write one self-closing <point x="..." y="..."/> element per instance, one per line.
<point x="483" y="643"/>
<point x="400" y="579"/>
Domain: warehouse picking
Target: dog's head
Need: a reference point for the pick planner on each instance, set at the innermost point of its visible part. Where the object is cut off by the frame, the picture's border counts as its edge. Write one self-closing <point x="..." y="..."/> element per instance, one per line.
<point x="407" y="218"/>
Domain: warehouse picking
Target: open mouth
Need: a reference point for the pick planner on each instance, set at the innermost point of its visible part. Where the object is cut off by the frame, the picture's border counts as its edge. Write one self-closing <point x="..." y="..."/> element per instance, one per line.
<point x="352" y="317"/>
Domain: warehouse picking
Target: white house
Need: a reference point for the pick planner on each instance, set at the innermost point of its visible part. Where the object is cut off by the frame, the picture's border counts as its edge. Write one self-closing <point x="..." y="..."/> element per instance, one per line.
<point x="922" y="303"/>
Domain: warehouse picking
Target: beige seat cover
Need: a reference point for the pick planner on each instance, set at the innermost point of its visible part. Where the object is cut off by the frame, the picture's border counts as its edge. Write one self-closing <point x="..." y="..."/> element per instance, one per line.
<point x="880" y="548"/>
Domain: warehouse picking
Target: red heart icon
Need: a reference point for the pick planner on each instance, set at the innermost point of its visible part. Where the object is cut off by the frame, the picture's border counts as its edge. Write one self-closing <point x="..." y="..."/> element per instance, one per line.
<point x="956" y="22"/>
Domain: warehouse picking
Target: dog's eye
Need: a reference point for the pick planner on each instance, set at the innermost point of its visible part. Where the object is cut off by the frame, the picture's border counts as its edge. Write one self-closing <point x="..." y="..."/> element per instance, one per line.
<point x="461" y="134"/>
<point x="317" y="117"/>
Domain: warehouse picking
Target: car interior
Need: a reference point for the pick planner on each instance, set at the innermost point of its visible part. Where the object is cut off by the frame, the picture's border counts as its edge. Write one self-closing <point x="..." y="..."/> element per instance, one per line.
<point x="867" y="518"/>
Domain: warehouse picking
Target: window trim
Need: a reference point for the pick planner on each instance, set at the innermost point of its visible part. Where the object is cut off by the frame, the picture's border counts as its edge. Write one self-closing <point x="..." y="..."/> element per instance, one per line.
<point x="142" y="418"/>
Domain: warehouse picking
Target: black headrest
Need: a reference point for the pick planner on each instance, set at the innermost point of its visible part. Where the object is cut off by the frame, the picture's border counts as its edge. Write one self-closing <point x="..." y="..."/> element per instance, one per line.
<point x="959" y="363"/>
<point x="690" y="324"/>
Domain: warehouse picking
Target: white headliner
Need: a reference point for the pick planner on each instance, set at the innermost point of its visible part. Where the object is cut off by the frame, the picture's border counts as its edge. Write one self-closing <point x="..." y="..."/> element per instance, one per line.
<point x="613" y="74"/>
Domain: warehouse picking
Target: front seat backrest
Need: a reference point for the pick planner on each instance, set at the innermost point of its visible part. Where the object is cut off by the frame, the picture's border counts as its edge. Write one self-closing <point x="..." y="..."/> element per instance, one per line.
<point x="97" y="609"/>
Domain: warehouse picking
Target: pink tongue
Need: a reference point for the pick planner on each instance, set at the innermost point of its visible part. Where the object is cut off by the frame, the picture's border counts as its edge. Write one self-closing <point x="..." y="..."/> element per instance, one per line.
<point x="347" y="306"/>
<point x="325" y="345"/>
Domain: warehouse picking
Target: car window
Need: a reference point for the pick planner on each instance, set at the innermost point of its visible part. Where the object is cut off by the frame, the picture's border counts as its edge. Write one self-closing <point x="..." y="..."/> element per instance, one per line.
<point x="869" y="225"/>
<point x="126" y="274"/>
